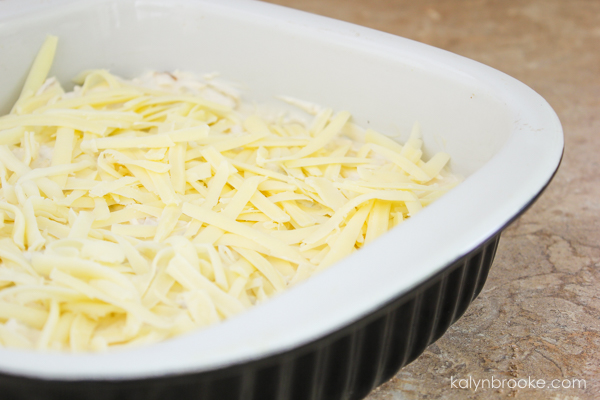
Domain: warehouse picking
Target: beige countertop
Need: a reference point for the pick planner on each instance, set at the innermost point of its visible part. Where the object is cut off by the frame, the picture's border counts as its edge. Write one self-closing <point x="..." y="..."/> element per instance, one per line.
<point x="538" y="315"/>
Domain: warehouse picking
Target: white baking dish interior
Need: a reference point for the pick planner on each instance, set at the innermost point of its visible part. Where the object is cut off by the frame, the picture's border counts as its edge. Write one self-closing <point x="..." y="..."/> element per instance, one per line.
<point x="501" y="135"/>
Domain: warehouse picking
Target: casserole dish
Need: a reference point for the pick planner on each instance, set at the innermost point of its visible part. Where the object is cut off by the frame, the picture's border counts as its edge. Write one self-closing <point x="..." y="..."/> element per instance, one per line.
<point x="352" y="327"/>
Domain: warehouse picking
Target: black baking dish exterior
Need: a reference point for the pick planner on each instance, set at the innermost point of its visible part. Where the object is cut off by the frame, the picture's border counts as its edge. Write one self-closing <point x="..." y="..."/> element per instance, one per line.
<point x="338" y="335"/>
<point x="346" y="364"/>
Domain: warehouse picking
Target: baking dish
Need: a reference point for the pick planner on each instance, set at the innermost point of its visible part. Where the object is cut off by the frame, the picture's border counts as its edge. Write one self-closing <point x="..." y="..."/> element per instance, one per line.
<point x="352" y="327"/>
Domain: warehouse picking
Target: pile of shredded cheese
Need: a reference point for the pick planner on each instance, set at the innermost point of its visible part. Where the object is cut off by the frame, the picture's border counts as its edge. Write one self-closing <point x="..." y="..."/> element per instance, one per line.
<point x="134" y="211"/>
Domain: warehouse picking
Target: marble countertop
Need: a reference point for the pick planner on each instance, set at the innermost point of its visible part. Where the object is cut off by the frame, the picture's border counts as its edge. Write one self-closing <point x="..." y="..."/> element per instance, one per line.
<point x="538" y="316"/>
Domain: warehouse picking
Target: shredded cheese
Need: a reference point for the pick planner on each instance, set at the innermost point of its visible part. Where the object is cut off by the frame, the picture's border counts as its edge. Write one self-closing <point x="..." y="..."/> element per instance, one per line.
<point x="135" y="211"/>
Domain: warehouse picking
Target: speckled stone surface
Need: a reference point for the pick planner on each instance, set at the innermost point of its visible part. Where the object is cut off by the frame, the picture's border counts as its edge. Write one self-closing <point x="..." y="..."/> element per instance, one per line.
<point x="538" y="315"/>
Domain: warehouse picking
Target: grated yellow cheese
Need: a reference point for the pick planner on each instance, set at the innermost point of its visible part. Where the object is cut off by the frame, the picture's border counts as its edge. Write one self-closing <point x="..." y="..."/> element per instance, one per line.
<point x="135" y="211"/>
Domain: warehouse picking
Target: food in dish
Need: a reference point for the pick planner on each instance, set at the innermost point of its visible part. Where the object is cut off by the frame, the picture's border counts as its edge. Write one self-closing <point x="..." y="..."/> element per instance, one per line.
<point x="136" y="210"/>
